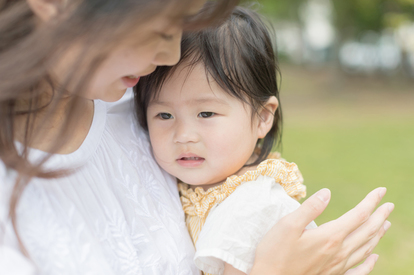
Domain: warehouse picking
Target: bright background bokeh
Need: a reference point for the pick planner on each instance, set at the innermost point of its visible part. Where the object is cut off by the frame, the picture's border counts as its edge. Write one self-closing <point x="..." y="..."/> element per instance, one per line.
<point x="352" y="135"/>
<point x="347" y="94"/>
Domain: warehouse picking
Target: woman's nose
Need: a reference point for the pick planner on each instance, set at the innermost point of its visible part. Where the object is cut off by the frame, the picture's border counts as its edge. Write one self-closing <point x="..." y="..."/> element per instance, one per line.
<point x="185" y="133"/>
<point x="170" y="52"/>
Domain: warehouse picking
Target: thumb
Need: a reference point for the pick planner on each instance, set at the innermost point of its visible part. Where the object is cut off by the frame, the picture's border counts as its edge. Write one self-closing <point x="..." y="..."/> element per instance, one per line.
<point x="310" y="209"/>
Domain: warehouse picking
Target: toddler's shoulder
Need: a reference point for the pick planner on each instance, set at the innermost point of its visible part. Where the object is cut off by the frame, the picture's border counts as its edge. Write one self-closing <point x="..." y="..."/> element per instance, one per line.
<point x="234" y="227"/>
<point x="257" y="196"/>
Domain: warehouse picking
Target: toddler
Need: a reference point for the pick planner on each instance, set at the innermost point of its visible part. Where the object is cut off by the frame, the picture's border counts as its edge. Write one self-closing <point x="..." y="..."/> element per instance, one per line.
<point x="213" y="120"/>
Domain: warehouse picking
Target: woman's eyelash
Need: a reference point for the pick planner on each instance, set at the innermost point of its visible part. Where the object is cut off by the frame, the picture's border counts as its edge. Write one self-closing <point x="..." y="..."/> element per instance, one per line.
<point x="206" y="114"/>
<point x="167" y="37"/>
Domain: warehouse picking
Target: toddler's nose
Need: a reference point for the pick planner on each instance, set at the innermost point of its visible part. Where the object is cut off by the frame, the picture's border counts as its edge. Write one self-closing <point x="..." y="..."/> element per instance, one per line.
<point x="185" y="133"/>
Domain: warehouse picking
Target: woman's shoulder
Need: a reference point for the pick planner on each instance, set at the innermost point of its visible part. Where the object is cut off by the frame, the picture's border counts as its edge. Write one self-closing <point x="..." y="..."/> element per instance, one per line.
<point x="113" y="125"/>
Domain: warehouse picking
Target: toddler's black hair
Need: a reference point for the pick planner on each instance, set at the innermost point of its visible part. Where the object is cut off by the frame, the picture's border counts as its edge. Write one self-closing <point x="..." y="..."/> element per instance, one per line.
<point x="238" y="54"/>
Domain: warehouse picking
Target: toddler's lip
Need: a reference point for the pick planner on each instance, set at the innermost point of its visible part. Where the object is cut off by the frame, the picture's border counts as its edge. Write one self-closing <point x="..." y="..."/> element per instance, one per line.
<point x="190" y="160"/>
<point x="189" y="156"/>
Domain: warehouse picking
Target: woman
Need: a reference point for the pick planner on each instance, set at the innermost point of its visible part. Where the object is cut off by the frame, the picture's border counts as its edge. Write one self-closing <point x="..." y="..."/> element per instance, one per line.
<point x="79" y="191"/>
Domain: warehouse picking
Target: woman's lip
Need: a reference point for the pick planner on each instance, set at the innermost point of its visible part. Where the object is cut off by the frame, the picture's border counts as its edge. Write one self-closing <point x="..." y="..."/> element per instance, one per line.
<point x="130" y="82"/>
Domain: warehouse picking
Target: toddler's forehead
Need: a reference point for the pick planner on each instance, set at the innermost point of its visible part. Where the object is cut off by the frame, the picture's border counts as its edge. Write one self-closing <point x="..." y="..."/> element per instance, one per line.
<point x="190" y="79"/>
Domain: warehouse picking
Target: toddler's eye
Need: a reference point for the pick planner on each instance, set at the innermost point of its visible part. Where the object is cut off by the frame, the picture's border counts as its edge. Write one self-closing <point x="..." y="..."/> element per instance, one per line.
<point x="206" y="114"/>
<point x="165" y="116"/>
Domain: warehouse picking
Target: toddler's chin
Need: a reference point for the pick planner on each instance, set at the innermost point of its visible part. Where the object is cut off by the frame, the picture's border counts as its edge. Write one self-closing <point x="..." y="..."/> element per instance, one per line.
<point x="190" y="182"/>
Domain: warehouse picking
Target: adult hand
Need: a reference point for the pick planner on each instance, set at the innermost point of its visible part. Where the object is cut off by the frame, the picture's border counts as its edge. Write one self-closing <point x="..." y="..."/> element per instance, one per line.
<point x="332" y="248"/>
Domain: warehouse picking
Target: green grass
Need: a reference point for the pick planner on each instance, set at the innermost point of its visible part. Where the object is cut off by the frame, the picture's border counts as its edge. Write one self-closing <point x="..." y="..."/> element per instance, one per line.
<point x="351" y="145"/>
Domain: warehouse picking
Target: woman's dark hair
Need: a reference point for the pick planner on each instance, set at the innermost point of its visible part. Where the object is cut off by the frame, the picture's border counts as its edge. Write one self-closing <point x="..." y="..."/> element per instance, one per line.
<point x="239" y="56"/>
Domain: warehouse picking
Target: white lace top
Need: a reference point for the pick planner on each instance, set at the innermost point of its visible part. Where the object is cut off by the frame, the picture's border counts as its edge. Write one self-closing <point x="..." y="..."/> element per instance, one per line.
<point x="118" y="213"/>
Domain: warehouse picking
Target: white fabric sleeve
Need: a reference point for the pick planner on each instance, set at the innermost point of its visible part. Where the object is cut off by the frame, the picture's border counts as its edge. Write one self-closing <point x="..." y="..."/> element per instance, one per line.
<point x="234" y="228"/>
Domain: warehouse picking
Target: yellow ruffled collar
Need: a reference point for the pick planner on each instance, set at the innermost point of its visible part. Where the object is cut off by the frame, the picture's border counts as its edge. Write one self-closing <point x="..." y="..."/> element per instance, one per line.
<point x="199" y="202"/>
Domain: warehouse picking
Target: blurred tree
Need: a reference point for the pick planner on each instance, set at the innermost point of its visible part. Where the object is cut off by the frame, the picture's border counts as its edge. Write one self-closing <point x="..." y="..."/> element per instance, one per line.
<point x="281" y="9"/>
<point x="401" y="12"/>
<point x="354" y="17"/>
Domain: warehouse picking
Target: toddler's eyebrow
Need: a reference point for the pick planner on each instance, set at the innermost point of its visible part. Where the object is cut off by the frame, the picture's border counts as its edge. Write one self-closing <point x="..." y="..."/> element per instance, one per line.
<point x="209" y="100"/>
<point x="192" y="101"/>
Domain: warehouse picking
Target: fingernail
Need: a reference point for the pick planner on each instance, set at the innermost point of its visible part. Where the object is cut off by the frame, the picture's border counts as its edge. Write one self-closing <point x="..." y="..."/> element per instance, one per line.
<point x="382" y="192"/>
<point x="390" y="206"/>
<point x="387" y="225"/>
<point x="324" y="195"/>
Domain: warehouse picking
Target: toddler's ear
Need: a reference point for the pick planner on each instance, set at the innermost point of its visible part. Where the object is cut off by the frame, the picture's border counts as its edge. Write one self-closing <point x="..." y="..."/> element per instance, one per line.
<point x="267" y="116"/>
<point x="45" y="9"/>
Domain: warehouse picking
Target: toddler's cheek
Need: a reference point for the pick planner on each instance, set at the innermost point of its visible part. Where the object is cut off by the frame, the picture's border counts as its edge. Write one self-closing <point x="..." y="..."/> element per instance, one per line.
<point x="161" y="158"/>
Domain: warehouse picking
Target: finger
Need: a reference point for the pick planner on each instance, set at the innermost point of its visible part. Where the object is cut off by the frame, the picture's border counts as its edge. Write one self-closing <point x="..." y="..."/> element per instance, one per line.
<point x="308" y="211"/>
<point x="364" y="268"/>
<point x="354" y="218"/>
<point x="370" y="228"/>
<point x="366" y="250"/>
